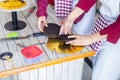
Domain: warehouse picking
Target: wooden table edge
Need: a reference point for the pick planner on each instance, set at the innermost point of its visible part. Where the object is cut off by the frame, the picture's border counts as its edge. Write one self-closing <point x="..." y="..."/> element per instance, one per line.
<point x="46" y="63"/>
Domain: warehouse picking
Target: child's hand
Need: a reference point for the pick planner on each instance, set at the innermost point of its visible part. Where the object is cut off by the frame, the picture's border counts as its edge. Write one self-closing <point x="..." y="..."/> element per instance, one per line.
<point x="80" y="40"/>
<point x="42" y="22"/>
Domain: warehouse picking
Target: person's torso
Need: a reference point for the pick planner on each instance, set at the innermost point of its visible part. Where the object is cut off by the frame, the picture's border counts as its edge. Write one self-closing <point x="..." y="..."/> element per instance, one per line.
<point x="74" y="2"/>
<point x="110" y="9"/>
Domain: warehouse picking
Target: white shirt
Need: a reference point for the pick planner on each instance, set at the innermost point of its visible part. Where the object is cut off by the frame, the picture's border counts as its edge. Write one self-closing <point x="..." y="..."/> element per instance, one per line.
<point x="110" y="9"/>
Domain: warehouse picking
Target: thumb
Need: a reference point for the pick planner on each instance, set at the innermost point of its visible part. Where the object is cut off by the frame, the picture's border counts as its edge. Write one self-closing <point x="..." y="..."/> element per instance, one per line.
<point x="45" y="22"/>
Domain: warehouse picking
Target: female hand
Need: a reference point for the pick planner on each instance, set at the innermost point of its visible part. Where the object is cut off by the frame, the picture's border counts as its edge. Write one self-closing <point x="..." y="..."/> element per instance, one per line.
<point x="42" y="22"/>
<point x="80" y="40"/>
<point x="66" y="27"/>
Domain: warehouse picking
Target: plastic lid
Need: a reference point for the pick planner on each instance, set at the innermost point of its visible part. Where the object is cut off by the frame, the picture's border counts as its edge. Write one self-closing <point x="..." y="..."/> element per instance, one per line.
<point x="31" y="52"/>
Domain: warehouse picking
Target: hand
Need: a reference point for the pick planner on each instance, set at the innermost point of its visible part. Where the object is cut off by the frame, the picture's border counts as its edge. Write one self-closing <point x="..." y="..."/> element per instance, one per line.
<point x="80" y="40"/>
<point x="66" y="27"/>
<point x="42" y="22"/>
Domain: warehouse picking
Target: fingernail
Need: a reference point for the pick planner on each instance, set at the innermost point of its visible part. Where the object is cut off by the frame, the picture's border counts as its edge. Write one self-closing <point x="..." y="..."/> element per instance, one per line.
<point x="46" y="25"/>
<point x="66" y="42"/>
<point x="68" y="36"/>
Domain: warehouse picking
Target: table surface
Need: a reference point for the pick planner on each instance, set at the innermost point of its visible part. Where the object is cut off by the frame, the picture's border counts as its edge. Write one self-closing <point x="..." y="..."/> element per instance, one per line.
<point x="17" y="63"/>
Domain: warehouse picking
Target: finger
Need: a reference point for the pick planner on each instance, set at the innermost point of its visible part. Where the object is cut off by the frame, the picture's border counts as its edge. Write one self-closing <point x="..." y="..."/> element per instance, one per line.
<point x="68" y="28"/>
<point x="73" y="42"/>
<point x="70" y="42"/>
<point x="69" y="31"/>
<point x="45" y="22"/>
<point x="75" y="36"/>
<point x="41" y="29"/>
<point x="39" y="25"/>
<point x="61" y="31"/>
<point x="72" y="36"/>
<point x="65" y="30"/>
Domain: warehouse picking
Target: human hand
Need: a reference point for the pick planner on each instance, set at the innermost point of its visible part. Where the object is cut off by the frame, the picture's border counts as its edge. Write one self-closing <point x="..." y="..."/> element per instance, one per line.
<point x="80" y="40"/>
<point x="68" y="23"/>
<point x="42" y="22"/>
<point x="66" y="27"/>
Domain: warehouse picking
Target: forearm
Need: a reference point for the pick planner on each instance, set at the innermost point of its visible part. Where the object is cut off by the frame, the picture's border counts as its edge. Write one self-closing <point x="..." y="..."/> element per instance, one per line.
<point x="76" y="12"/>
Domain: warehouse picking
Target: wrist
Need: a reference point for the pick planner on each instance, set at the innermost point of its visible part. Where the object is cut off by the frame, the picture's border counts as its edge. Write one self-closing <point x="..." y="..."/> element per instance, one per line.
<point x="97" y="37"/>
<point x="71" y="17"/>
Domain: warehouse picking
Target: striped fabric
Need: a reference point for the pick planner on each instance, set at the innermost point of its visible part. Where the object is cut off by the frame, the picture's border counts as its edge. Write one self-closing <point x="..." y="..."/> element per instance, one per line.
<point x="100" y="24"/>
<point x="63" y="8"/>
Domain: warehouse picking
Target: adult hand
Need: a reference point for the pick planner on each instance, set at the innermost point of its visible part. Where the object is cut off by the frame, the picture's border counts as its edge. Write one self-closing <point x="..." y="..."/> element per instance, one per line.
<point x="66" y="27"/>
<point x="80" y="40"/>
<point x="42" y="22"/>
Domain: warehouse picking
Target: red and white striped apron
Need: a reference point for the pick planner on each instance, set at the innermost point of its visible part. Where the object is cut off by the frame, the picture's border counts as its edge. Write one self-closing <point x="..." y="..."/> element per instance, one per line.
<point x="100" y="24"/>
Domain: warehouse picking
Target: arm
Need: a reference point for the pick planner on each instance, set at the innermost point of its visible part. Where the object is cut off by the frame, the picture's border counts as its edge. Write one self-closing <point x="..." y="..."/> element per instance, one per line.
<point x="41" y="8"/>
<point x="113" y="31"/>
<point x="82" y="7"/>
<point x="42" y="14"/>
<point x="81" y="40"/>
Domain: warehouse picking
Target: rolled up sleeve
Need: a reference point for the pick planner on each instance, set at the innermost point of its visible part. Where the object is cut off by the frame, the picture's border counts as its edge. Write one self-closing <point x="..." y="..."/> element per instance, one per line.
<point x="86" y="4"/>
<point x="113" y="31"/>
<point x="41" y="7"/>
